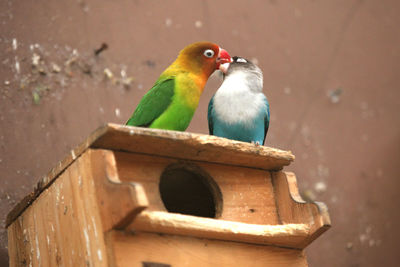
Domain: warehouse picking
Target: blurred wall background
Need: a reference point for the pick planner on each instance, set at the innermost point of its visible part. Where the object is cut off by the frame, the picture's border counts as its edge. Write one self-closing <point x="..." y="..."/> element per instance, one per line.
<point x="332" y="75"/>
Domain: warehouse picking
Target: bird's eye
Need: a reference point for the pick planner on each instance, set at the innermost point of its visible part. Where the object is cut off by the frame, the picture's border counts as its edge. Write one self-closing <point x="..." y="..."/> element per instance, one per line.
<point x="242" y="60"/>
<point x="209" y="53"/>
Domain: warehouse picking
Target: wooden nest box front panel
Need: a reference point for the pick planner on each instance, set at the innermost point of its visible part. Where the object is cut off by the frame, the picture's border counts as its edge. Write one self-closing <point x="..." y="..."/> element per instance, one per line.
<point x="202" y="189"/>
<point x="139" y="197"/>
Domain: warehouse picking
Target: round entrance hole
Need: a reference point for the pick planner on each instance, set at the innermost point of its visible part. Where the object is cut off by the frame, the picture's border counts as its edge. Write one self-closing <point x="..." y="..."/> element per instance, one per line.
<point x="187" y="189"/>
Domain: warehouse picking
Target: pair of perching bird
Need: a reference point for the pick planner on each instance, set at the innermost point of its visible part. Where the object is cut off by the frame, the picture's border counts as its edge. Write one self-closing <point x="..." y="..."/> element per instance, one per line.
<point x="238" y="110"/>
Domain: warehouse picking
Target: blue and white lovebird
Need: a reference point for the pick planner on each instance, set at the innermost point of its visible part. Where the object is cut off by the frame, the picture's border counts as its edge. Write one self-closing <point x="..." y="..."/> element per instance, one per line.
<point x="239" y="110"/>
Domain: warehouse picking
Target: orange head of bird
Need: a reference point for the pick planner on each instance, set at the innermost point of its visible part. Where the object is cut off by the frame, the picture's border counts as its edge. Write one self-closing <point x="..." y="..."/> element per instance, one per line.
<point x="204" y="57"/>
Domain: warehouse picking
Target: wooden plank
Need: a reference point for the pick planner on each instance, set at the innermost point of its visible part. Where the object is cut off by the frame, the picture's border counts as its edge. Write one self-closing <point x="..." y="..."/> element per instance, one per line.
<point x="87" y="210"/>
<point x="53" y="237"/>
<point x="118" y="201"/>
<point x="134" y="249"/>
<point x="191" y="146"/>
<point x="145" y="170"/>
<point x="16" y="244"/>
<point x="288" y="235"/>
<point x="49" y="178"/>
<point x="247" y="193"/>
<point x="180" y="145"/>
<point x="62" y="227"/>
<point x="293" y="209"/>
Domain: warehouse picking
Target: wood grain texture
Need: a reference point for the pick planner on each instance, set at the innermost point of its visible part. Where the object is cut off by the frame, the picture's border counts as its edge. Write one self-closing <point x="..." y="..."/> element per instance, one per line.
<point x="75" y="217"/>
<point x="62" y="227"/>
<point x="287" y="235"/>
<point x="50" y="177"/>
<point x="191" y="146"/>
<point x="118" y="201"/>
<point x="293" y="209"/>
<point x="179" y="145"/>
<point x="131" y="250"/>
<point x="247" y="193"/>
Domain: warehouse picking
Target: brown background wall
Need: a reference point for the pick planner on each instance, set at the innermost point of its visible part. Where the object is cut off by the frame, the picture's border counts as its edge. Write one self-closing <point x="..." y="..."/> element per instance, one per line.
<point x="332" y="75"/>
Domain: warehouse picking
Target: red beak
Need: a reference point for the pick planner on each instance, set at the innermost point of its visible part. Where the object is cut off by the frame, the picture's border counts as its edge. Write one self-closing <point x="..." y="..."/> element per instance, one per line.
<point x="223" y="57"/>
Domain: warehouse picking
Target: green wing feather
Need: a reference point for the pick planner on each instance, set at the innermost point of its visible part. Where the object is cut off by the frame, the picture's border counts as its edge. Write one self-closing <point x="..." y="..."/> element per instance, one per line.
<point x="153" y="103"/>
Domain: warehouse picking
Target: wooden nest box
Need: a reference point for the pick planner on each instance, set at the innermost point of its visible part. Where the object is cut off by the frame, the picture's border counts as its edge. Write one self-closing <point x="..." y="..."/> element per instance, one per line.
<point x="141" y="197"/>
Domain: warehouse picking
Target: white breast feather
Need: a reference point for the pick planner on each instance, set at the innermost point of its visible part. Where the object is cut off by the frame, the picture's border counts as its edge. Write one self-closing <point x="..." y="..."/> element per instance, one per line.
<point x="234" y="102"/>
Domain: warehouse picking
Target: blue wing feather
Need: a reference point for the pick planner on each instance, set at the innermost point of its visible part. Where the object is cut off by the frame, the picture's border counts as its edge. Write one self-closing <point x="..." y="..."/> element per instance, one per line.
<point x="266" y="120"/>
<point x="210" y="117"/>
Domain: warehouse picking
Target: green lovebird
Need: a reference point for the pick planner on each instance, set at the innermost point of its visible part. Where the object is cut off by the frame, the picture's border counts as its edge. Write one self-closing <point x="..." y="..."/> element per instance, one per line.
<point x="170" y="104"/>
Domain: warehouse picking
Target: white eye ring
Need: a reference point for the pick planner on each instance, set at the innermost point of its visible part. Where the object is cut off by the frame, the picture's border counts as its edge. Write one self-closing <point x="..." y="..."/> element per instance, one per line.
<point x="241" y="60"/>
<point x="208" y="53"/>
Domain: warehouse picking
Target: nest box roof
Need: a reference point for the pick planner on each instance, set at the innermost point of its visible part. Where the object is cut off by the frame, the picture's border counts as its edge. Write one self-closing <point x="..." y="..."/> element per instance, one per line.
<point x="173" y="144"/>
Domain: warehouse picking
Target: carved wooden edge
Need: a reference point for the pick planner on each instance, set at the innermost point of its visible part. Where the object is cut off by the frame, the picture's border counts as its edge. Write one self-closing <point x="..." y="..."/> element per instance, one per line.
<point x="103" y="138"/>
<point x="288" y="235"/>
<point x="119" y="202"/>
<point x="293" y="209"/>
<point x="192" y="146"/>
